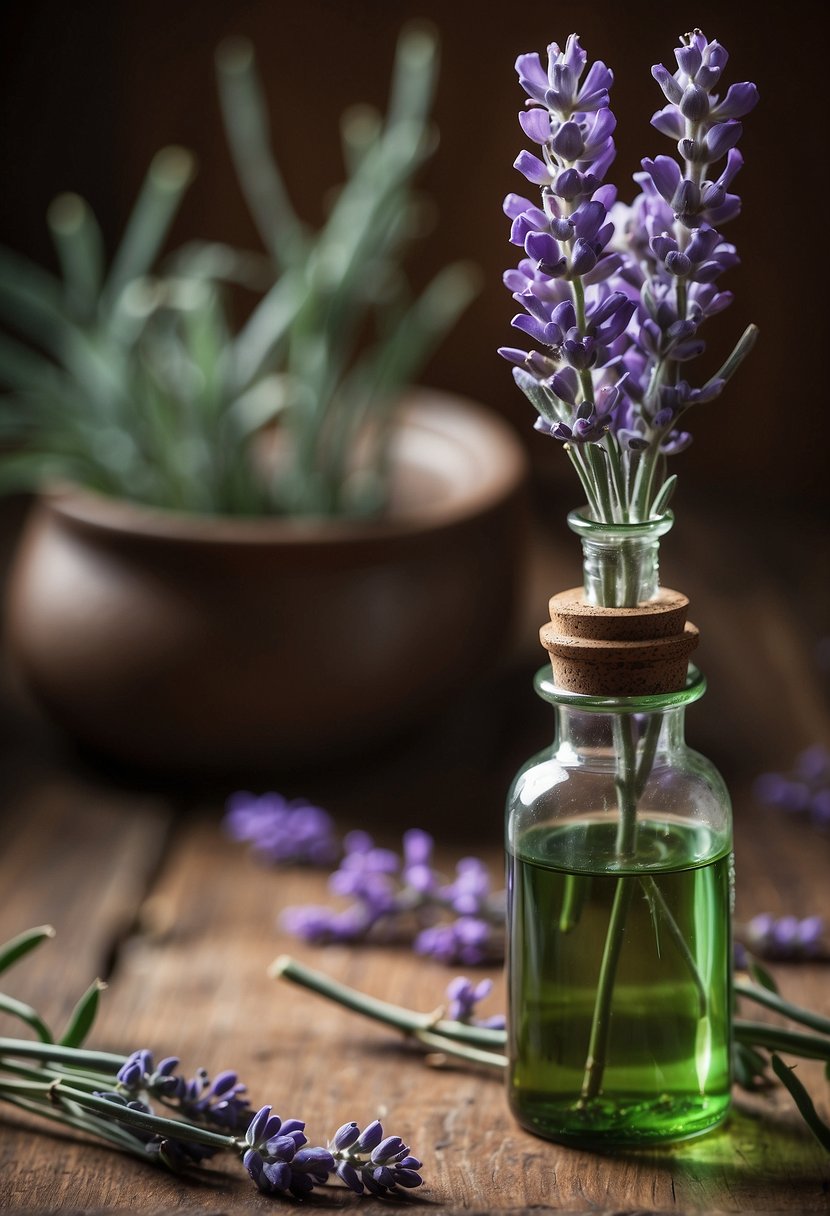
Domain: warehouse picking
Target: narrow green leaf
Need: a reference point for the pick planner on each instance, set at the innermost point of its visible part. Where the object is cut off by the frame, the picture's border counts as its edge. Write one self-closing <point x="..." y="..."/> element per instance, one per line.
<point x="82" y="1016"/>
<point x="171" y="172"/>
<point x="664" y="495"/>
<point x="540" y="397"/>
<point x="17" y="1009"/>
<point x="19" y="946"/>
<point x="414" y="74"/>
<point x="742" y="348"/>
<point x="80" y="248"/>
<point x="803" y="1101"/>
<point x="245" y="115"/>
<point x="771" y="999"/>
<point x="31" y="300"/>
<point x="266" y="328"/>
<point x="760" y="974"/>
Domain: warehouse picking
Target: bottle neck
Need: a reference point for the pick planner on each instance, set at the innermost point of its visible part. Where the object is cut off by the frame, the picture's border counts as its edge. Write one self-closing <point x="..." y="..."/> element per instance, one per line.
<point x="594" y="738"/>
<point x="620" y="561"/>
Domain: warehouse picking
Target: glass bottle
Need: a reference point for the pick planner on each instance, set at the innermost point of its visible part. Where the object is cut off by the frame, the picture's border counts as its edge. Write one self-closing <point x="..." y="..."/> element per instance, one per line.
<point x="619" y="899"/>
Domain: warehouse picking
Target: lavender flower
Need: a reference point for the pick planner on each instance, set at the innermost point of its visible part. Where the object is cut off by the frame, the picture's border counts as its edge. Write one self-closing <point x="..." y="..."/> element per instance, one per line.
<point x="463" y="996"/>
<point x="282" y="831"/>
<point x="370" y="1161"/>
<point x="785" y="938"/>
<point x="277" y="1160"/>
<point x="218" y="1103"/>
<point x="615" y="296"/>
<point x="403" y="896"/>
<point x="804" y="791"/>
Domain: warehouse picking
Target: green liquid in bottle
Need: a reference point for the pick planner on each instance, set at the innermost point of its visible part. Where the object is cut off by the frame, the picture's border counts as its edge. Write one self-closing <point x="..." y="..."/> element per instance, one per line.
<point x="666" y="1069"/>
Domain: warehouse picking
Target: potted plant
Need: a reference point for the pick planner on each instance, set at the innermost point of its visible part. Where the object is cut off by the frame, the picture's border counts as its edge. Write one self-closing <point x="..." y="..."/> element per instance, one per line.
<point x="252" y="543"/>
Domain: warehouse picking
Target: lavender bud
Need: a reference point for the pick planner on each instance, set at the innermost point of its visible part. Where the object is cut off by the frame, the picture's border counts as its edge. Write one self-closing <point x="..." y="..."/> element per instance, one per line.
<point x="693" y="150"/>
<point x="349" y="1175"/>
<point x="694" y="104"/>
<point x="678" y="264"/>
<point x="255" y="1128"/>
<point x="345" y="1136"/>
<point x="568" y="142"/>
<point x="370" y="1137"/>
<point x="408" y="1178"/>
<point x="568" y="184"/>
<point x="389" y="1148"/>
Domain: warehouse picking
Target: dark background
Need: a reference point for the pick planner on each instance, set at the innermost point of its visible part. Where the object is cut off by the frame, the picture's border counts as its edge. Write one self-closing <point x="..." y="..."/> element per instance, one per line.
<point x="91" y="90"/>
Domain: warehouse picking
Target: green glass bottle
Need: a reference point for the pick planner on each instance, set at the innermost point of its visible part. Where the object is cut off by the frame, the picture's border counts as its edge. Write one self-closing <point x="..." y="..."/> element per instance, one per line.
<point x="619" y="897"/>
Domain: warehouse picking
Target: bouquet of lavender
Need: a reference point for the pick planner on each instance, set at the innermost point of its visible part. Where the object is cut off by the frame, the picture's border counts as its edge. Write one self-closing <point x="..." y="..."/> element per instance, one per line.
<point x="615" y="297"/>
<point x="151" y="1111"/>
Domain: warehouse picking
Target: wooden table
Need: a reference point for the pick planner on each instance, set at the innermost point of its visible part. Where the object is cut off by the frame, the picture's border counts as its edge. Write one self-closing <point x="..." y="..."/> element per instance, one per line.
<point x="146" y="892"/>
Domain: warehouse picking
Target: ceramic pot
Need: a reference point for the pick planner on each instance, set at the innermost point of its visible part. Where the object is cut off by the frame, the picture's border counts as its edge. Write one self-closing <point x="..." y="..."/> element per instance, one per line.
<point x="196" y="643"/>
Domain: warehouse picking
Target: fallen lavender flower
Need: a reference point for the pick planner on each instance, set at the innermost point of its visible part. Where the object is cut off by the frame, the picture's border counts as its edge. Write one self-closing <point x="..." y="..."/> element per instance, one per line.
<point x="280" y="831"/>
<point x="369" y="1161"/>
<point x="277" y="1160"/>
<point x="403" y="897"/>
<point x="804" y="791"/>
<point x="217" y="1103"/>
<point x="463" y="996"/>
<point x="784" y="938"/>
<point x="110" y="1097"/>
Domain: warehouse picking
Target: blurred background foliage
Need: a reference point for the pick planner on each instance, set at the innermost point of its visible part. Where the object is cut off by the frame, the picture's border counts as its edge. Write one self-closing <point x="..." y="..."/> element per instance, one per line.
<point x="92" y="91"/>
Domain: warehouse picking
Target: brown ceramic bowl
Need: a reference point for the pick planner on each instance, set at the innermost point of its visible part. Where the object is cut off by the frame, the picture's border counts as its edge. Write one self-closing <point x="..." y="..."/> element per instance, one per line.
<point x="193" y="643"/>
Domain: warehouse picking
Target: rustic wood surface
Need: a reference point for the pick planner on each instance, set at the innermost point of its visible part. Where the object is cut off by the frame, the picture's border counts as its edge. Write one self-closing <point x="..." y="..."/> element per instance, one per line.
<point x="144" y="890"/>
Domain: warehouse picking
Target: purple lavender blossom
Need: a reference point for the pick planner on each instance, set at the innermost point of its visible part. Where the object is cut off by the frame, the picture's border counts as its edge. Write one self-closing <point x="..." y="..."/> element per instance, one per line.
<point x="463" y="996"/>
<point x="218" y="1103"/>
<point x="785" y="938"/>
<point x="277" y="1160"/>
<point x="613" y="297"/>
<point x="806" y="790"/>
<point x="403" y="897"/>
<point x="370" y="1161"/>
<point x="467" y="940"/>
<point x="282" y="831"/>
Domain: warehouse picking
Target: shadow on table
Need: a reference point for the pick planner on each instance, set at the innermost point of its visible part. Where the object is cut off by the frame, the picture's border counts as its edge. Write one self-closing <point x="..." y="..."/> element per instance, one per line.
<point x="749" y="1151"/>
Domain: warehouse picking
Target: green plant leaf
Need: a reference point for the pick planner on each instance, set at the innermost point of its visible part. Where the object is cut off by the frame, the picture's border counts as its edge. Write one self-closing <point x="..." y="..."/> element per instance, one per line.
<point x="80" y="248"/>
<point x="664" y="495"/>
<point x="31" y="300"/>
<point x="414" y="74"/>
<point x="19" y="946"/>
<point x="82" y="1016"/>
<point x="18" y="1009"/>
<point x="540" y="397"/>
<point x="171" y="172"/>
<point x="803" y="1101"/>
<point x="760" y="975"/>
<point x="245" y="114"/>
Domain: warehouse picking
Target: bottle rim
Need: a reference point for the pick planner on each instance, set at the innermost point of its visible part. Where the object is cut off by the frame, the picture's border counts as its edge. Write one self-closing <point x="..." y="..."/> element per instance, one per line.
<point x="692" y="691"/>
<point x="580" y="521"/>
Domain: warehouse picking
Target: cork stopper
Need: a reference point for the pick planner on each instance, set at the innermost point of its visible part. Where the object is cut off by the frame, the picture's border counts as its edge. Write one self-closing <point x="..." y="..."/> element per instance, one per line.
<point x="619" y="652"/>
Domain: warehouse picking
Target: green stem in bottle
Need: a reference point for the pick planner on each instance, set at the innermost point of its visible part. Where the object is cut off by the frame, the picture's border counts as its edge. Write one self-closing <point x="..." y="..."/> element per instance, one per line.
<point x="601" y="1024"/>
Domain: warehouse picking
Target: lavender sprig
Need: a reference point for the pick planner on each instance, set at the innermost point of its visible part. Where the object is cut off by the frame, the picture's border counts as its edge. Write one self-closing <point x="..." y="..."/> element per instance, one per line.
<point x="804" y="791"/>
<point x="615" y="296"/>
<point x="403" y="897"/>
<point x="369" y="1161"/>
<point x="280" y="831"/>
<point x="784" y="938"/>
<point x="111" y="1097"/>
